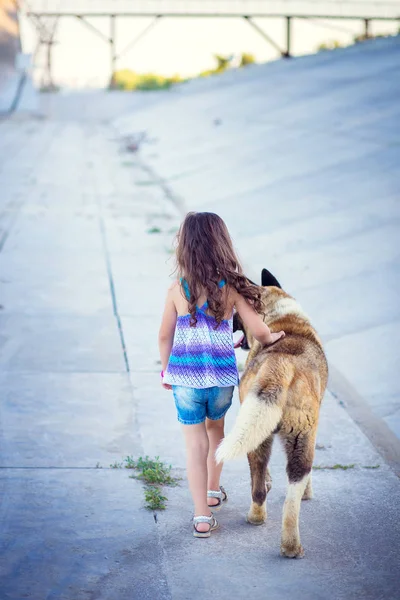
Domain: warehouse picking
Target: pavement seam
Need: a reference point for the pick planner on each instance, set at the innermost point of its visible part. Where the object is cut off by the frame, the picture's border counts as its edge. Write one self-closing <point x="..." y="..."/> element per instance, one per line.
<point x="112" y="285"/>
<point x="163" y="560"/>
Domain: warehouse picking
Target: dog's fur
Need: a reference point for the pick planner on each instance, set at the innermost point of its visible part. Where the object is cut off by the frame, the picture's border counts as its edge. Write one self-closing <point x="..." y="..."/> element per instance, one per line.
<point x="280" y="393"/>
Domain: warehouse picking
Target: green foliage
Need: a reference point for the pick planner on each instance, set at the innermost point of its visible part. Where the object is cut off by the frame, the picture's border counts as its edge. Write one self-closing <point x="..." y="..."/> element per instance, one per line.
<point x="222" y="62"/>
<point x="128" y="80"/>
<point x="247" y="59"/>
<point x="342" y="467"/>
<point x="49" y="88"/>
<point x="116" y="465"/>
<point x="153" y="471"/>
<point x="130" y="463"/>
<point x="208" y="73"/>
<point x="330" y="45"/>
<point x="334" y="467"/>
<point x="154" y="499"/>
<point x="357" y="39"/>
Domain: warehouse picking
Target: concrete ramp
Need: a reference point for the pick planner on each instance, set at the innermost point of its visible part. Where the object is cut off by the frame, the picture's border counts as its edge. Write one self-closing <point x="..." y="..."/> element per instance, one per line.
<point x="86" y="227"/>
<point x="301" y="158"/>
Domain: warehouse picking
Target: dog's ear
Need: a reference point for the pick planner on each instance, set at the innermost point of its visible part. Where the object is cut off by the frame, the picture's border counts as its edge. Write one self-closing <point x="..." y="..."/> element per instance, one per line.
<point x="268" y="279"/>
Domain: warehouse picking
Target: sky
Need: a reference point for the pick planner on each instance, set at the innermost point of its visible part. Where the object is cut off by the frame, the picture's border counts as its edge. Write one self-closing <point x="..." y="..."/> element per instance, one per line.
<point x="183" y="46"/>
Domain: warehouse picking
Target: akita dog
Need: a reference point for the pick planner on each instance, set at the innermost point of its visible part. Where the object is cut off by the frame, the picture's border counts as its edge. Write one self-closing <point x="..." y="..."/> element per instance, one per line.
<point x="280" y="393"/>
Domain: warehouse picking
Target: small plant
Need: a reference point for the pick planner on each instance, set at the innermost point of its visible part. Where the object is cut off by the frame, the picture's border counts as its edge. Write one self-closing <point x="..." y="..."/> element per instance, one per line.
<point x="154" y="473"/>
<point x="247" y="59"/>
<point x="116" y="465"/>
<point x="130" y="463"/>
<point x="98" y="466"/>
<point x="333" y="467"/>
<point x="154" y="499"/>
<point x="154" y="230"/>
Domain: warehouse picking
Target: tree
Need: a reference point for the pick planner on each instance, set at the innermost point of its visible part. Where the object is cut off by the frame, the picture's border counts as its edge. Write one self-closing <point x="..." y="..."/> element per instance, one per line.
<point x="247" y="59"/>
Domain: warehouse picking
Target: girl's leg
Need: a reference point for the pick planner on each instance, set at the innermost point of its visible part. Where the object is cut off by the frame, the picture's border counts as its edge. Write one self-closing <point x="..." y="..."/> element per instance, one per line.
<point x="197" y="445"/>
<point x="215" y="432"/>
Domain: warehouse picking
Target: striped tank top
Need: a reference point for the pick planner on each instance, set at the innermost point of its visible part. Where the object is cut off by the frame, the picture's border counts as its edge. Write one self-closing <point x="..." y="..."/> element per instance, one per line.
<point x="202" y="356"/>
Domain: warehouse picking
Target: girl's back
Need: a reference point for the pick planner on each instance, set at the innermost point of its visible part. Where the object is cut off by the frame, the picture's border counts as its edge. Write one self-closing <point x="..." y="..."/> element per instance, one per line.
<point x="202" y="356"/>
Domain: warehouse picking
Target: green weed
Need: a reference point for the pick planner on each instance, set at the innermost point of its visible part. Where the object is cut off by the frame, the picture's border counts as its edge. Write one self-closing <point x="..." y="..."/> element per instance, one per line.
<point x="154" y="230"/>
<point x="130" y="463"/>
<point x="333" y="467"/>
<point x="154" y="499"/>
<point x="153" y="471"/>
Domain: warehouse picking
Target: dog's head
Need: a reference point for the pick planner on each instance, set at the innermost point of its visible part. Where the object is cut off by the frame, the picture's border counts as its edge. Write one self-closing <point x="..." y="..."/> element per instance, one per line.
<point x="267" y="280"/>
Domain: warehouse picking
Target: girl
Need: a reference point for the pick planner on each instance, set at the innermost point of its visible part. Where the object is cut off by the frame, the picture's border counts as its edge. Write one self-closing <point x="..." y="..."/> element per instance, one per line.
<point x="197" y="352"/>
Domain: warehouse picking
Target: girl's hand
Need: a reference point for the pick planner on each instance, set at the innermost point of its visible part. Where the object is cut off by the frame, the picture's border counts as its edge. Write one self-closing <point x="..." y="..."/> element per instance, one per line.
<point x="274" y="337"/>
<point x="166" y="386"/>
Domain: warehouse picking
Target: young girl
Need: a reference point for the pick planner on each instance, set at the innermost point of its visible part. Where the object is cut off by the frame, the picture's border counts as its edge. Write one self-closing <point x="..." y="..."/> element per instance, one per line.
<point x="197" y="351"/>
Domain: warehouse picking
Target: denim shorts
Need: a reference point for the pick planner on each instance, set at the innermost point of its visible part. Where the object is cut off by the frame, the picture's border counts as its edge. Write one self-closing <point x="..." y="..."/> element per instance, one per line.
<point x="194" y="405"/>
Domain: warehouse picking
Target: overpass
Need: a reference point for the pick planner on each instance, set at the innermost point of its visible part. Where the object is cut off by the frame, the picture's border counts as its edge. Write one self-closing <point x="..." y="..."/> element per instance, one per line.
<point x="45" y="15"/>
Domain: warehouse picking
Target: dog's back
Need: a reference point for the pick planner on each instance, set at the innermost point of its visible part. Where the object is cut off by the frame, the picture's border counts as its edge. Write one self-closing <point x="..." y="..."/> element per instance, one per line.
<point x="283" y="385"/>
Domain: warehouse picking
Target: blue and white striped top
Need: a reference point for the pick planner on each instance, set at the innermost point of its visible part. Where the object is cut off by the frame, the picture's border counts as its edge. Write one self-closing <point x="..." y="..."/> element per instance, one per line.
<point x="202" y="356"/>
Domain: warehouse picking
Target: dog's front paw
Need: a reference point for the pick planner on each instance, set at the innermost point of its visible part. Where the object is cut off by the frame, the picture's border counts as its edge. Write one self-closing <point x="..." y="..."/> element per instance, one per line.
<point x="295" y="550"/>
<point x="257" y="514"/>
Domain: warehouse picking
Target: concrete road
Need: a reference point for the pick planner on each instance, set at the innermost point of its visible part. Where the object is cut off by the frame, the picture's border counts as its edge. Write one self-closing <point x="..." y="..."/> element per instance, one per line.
<point x="85" y="262"/>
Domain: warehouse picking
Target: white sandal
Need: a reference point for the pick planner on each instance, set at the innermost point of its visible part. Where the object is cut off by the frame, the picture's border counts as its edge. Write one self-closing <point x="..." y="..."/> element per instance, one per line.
<point x="220" y="494"/>
<point x="212" y="522"/>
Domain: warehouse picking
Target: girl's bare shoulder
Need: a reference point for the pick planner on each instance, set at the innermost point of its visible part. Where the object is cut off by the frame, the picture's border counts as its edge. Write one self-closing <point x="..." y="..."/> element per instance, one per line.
<point x="175" y="284"/>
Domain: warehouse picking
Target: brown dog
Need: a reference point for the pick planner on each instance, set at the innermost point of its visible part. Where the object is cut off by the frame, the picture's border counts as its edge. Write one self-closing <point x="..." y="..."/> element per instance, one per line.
<point x="280" y="393"/>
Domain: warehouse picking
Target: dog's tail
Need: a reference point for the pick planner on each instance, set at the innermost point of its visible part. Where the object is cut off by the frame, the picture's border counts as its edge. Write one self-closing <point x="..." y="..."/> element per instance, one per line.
<point x="259" y="415"/>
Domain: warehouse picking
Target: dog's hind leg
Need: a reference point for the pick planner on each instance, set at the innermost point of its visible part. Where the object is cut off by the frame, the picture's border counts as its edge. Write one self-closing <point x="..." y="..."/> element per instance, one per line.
<point x="299" y="448"/>
<point x="260" y="482"/>
<point x="308" y="492"/>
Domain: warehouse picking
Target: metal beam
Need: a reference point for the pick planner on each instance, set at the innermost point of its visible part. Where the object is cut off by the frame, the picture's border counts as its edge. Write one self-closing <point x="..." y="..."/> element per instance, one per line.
<point x="216" y="15"/>
<point x="264" y="35"/>
<point x="82" y="18"/>
<point x="288" y="36"/>
<point x="113" y="55"/>
<point x="139" y="37"/>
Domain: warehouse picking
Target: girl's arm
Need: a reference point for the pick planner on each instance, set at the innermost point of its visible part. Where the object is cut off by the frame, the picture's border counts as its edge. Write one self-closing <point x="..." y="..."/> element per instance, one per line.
<point x="259" y="330"/>
<point x="167" y="329"/>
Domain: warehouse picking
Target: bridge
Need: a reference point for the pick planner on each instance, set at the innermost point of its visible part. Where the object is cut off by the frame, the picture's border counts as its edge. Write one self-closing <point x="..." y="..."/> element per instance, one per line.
<point x="45" y="15"/>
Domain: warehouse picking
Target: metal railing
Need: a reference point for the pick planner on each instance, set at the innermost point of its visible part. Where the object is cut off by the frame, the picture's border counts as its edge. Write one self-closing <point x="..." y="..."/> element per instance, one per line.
<point x="385" y="9"/>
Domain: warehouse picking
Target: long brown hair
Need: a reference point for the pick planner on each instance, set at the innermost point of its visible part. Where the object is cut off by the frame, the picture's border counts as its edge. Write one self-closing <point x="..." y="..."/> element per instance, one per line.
<point x="204" y="257"/>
